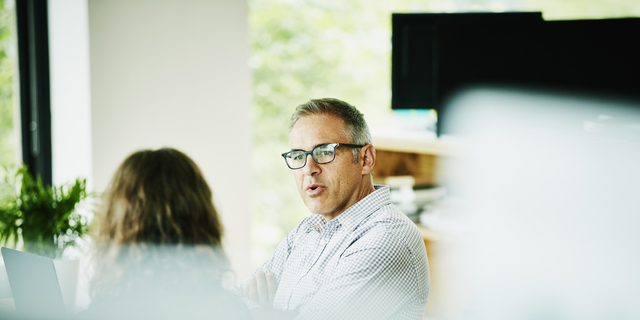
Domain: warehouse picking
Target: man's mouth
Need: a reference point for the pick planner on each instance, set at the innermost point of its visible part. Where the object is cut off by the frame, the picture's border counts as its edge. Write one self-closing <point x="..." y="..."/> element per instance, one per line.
<point x="315" y="189"/>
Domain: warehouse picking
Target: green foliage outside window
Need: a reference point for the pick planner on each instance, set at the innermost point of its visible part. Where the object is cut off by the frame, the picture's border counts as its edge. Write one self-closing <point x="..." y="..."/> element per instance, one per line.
<point x="7" y="52"/>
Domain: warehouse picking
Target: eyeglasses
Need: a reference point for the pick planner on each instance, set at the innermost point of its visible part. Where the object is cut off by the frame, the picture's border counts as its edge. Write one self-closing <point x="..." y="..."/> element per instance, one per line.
<point x="321" y="154"/>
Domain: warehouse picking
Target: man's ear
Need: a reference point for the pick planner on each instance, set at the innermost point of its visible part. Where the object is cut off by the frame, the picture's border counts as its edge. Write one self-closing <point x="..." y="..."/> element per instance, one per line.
<point x="368" y="158"/>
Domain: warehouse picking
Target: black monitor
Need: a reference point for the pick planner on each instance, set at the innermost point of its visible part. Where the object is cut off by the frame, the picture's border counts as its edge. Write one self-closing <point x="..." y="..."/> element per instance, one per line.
<point x="435" y="55"/>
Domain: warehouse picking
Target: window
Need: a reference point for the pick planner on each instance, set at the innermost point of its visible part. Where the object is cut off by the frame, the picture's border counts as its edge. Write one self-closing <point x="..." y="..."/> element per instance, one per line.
<point x="25" y="116"/>
<point x="9" y="111"/>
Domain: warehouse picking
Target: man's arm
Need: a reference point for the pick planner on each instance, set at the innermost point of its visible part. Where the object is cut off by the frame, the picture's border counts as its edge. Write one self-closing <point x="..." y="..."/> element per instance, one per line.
<point x="259" y="281"/>
<point x="275" y="264"/>
<point x="261" y="288"/>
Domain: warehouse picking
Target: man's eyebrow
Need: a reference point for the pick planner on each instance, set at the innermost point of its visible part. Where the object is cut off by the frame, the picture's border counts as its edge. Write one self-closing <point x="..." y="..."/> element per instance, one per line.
<point x="320" y="144"/>
<point x="317" y="145"/>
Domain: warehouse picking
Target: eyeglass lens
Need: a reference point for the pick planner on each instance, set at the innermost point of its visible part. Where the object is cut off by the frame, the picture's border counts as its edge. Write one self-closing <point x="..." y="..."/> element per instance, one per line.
<point x="321" y="154"/>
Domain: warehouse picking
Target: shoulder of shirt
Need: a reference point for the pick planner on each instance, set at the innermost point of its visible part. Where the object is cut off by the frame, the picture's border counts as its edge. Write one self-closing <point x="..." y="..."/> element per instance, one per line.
<point x="389" y="220"/>
<point x="391" y="234"/>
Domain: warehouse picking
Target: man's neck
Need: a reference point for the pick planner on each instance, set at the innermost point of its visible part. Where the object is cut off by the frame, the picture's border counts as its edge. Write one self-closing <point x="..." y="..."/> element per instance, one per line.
<point x="365" y="191"/>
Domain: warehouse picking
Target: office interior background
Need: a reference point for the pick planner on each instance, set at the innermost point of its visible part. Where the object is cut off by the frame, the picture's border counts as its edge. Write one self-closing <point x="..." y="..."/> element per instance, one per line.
<point x="219" y="81"/>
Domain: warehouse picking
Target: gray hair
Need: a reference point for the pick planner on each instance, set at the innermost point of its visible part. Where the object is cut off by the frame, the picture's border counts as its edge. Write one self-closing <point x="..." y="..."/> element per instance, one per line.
<point x="357" y="129"/>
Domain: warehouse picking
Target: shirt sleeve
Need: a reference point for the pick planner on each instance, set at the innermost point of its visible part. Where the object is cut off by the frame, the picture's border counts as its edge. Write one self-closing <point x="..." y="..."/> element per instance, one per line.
<point x="374" y="279"/>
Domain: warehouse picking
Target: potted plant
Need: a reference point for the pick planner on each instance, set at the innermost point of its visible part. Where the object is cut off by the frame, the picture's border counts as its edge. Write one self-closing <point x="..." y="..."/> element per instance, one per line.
<point x="43" y="217"/>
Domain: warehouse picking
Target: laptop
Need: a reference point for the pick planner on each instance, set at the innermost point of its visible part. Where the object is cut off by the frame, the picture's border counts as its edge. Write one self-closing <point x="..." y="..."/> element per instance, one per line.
<point x="34" y="284"/>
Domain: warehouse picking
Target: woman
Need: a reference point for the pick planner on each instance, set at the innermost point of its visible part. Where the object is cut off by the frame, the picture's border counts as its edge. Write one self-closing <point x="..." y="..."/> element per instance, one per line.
<point x="157" y="244"/>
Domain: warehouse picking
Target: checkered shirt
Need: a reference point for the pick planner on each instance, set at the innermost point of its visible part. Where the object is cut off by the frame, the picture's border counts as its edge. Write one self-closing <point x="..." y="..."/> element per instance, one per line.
<point x="367" y="263"/>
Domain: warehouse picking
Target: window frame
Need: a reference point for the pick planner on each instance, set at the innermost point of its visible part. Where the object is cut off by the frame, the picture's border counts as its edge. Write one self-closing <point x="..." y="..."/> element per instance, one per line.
<point x="35" y="97"/>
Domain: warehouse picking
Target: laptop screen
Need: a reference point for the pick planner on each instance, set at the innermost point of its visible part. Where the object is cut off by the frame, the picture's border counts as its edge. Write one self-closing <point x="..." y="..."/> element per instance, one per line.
<point x="34" y="284"/>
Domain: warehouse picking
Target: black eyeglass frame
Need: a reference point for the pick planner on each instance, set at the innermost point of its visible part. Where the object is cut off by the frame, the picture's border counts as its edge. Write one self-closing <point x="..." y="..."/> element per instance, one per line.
<point x="307" y="153"/>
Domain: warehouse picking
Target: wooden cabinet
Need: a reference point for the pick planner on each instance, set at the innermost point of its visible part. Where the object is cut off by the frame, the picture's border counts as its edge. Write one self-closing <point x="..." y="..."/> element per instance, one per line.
<point x="411" y="155"/>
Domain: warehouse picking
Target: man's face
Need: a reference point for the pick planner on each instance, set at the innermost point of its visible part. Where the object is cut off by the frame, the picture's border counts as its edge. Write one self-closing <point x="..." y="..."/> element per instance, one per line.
<point x="327" y="189"/>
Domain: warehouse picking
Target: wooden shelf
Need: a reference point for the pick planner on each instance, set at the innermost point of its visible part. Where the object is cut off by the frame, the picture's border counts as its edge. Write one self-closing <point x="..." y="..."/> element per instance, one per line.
<point x="413" y="142"/>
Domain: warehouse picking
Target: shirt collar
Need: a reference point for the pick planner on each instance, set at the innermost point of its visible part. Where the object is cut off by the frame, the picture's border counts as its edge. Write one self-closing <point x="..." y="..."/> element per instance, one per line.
<point x="316" y="222"/>
<point x="352" y="217"/>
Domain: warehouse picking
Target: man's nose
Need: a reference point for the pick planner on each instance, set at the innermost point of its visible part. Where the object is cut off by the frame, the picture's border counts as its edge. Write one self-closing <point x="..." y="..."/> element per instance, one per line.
<point x="311" y="167"/>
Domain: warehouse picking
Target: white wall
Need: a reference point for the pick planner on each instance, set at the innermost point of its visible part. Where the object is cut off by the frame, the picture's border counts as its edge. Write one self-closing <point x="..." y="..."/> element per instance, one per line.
<point x="70" y="91"/>
<point x="174" y="73"/>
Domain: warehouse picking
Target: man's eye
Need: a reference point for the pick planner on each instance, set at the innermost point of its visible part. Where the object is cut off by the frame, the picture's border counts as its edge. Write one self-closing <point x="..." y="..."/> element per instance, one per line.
<point x="297" y="157"/>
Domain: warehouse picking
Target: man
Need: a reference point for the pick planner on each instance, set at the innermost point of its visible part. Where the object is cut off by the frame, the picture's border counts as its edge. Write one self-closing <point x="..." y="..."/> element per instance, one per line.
<point x="357" y="256"/>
